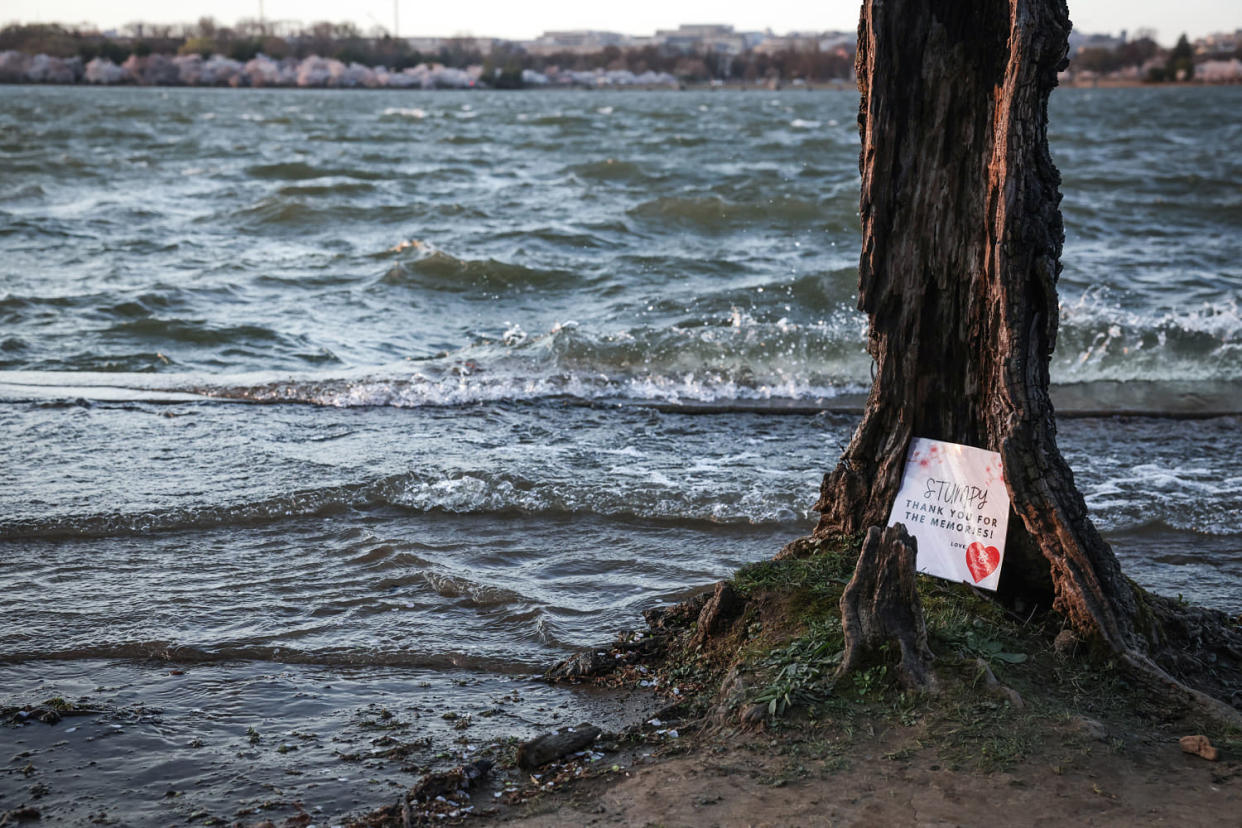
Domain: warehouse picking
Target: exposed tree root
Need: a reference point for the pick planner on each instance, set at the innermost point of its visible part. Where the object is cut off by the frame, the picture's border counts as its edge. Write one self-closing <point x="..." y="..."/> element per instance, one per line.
<point x="1156" y="680"/>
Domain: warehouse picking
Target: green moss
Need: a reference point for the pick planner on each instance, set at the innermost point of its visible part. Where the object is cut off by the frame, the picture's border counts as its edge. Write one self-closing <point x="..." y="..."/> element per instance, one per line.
<point x="822" y="573"/>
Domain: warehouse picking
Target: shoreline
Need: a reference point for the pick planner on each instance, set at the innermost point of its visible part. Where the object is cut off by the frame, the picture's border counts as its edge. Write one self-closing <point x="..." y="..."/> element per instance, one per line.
<point x="816" y="86"/>
<point x="1040" y="730"/>
<point x="1174" y="400"/>
<point x="293" y="745"/>
<point x="153" y="742"/>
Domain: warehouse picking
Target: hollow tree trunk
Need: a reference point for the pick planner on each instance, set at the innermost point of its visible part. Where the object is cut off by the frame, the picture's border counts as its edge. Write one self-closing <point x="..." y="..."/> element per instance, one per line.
<point x="962" y="236"/>
<point x="961" y="244"/>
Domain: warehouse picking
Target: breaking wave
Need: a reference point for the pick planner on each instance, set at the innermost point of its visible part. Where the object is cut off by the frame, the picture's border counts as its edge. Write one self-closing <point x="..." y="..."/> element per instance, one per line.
<point x="1101" y="340"/>
<point x="654" y="497"/>
<point x="716" y="354"/>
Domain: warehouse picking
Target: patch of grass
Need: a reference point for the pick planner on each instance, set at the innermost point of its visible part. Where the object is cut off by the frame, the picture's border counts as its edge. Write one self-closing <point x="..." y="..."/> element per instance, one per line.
<point x="800" y="670"/>
<point x="969" y="727"/>
<point x="873" y="680"/>
<point x="961" y="621"/>
<point x="965" y="724"/>
<point x="789" y="641"/>
<point x="794" y="685"/>
<point x="822" y="573"/>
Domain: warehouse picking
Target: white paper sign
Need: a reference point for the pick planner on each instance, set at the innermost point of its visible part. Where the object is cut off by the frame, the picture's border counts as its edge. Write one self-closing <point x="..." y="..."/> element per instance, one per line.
<point x="953" y="500"/>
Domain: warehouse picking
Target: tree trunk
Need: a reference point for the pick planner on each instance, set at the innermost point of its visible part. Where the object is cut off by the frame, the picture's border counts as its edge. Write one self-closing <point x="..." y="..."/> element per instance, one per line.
<point x="962" y="237"/>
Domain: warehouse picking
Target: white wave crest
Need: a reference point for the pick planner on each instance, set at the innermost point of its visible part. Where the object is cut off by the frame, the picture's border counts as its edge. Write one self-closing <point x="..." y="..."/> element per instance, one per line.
<point x="1100" y="340"/>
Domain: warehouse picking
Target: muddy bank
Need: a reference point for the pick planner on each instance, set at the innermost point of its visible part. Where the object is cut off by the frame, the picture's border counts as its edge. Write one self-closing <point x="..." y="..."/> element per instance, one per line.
<point x="1025" y="722"/>
<point x="888" y="780"/>
<point x="725" y="710"/>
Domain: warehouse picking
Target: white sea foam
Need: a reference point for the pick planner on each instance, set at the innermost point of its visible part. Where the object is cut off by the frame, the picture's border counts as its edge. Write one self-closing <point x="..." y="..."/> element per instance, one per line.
<point x="628" y="451"/>
<point x="406" y="112"/>
<point x="649" y="493"/>
<point x="747" y="356"/>
<point x="1102" y="340"/>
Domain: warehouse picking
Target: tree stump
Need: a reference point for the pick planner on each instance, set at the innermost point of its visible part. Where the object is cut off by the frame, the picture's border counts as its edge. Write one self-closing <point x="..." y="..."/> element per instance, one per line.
<point x="717" y="614"/>
<point x="881" y="604"/>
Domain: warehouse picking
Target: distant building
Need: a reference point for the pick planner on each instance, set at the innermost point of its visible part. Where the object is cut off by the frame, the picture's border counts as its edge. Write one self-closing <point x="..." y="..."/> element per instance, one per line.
<point x="807" y="42"/>
<point x="425" y="45"/>
<point x="832" y="41"/>
<point x="688" y="38"/>
<point x="433" y="45"/>
<point x="699" y="31"/>
<point x="1081" y="40"/>
<point x="1219" y="43"/>
<point x="580" y="41"/>
<point x="698" y="37"/>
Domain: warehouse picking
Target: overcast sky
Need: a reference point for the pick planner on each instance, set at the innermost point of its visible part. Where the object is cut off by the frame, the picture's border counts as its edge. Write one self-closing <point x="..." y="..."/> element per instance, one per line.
<point x="523" y="20"/>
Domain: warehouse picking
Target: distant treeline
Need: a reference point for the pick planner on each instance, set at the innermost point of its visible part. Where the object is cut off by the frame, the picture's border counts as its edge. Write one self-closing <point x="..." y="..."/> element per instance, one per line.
<point x="342" y="41"/>
<point x="507" y="64"/>
<point x="1146" y="60"/>
<point x="346" y="43"/>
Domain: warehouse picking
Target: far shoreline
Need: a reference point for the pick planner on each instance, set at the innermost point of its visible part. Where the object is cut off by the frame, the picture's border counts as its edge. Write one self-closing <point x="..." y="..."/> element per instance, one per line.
<point x="818" y="86"/>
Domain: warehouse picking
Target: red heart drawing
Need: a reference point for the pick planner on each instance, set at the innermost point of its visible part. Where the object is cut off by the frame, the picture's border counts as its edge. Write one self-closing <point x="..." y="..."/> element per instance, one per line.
<point x="982" y="560"/>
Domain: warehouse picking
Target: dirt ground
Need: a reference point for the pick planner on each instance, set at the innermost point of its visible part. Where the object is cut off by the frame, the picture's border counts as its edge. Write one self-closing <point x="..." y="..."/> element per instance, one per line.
<point x="889" y="782"/>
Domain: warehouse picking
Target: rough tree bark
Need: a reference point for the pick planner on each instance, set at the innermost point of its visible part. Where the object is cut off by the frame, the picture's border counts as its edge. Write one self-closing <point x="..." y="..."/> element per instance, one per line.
<point x="962" y="238"/>
<point x="881" y="603"/>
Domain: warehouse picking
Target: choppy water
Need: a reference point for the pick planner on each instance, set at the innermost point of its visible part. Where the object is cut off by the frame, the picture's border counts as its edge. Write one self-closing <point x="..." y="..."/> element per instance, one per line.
<point x="452" y="303"/>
